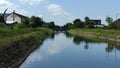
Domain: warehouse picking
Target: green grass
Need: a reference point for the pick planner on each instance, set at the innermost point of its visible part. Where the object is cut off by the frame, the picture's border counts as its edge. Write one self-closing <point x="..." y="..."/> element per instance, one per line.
<point x="97" y="32"/>
<point x="10" y="35"/>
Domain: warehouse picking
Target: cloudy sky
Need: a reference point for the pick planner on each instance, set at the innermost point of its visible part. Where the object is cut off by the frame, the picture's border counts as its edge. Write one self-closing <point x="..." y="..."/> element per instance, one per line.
<point x="63" y="11"/>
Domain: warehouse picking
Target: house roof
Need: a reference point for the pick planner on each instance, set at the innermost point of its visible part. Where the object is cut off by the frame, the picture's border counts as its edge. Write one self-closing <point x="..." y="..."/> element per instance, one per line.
<point x="7" y="14"/>
<point x="117" y="21"/>
<point x="22" y="16"/>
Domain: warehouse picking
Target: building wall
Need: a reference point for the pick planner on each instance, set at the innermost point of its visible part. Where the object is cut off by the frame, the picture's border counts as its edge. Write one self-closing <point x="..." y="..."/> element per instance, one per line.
<point x="16" y="18"/>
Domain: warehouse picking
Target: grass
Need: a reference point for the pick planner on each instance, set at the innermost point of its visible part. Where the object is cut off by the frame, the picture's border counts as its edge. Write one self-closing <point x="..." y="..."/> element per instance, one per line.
<point x="97" y="32"/>
<point x="10" y="35"/>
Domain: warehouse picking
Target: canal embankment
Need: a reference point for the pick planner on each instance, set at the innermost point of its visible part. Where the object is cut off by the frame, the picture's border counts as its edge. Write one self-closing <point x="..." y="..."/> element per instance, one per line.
<point x="15" y="50"/>
<point x="107" y="35"/>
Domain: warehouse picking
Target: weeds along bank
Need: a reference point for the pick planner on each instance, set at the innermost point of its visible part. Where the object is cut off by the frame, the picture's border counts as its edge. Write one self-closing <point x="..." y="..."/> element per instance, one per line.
<point x="19" y="44"/>
<point x="111" y="35"/>
<point x="9" y="35"/>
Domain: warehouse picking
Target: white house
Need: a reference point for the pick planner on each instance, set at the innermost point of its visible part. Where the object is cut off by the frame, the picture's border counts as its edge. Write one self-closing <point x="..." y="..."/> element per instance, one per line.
<point x="14" y="17"/>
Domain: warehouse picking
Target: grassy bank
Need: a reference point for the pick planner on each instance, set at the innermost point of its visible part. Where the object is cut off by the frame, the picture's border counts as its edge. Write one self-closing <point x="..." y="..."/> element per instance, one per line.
<point x="10" y="35"/>
<point x="21" y="44"/>
<point x="112" y="35"/>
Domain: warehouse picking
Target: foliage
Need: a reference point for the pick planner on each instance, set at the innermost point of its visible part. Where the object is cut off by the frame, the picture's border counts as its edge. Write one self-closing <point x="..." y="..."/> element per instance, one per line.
<point x="18" y="27"/>
<point x="91" y="25"/>
<point x="114" y="26"/>
<point x="36" y="21"/>
<point x="69" y="26"/>
<point x="87" y="20"/>
<point x="51" y="25"/>
<point x="26" y="22"/>
<point x="109" y="20"/>
<point x="78" y="23"/>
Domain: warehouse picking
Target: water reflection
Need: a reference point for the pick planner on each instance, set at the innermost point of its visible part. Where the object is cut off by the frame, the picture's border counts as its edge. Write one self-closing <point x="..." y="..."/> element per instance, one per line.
<point x="86" y="46"/>
<point x="52" y="36"/>
<point x="68" y="35"/>
<point x="109" y="48"/>
<point x="62" y="52"/>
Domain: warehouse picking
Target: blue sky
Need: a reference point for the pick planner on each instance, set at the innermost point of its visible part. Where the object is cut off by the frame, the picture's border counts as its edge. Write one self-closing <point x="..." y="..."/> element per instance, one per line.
<point x="63" y="11"/>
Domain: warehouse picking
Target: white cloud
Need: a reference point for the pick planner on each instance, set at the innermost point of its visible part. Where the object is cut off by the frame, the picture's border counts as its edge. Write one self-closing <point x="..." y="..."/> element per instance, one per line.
<point x="23" y="12"/>
<point x="57" y="10"/>
<point x="32" y="2"/>
<point x="4" y="4"/>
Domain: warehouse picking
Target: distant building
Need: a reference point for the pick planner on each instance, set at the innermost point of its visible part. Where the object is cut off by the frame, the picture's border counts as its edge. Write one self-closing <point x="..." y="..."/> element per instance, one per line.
<point x="96" y="22"/>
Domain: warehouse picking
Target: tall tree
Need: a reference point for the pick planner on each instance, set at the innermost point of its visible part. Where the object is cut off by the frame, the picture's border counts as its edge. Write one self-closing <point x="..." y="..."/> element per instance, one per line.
<point x="78" y="23"/>
<point x="87" y="20"/>
<point x="51" y="25"/>
<point x="26" y="22"/>
<point x="36" y="21"/>
<point x="109" y="20"/>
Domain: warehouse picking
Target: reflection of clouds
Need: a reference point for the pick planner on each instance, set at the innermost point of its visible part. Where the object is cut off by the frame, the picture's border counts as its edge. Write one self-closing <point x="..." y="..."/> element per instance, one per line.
<point x="54" y="49"/>
<point x="33" y="58"/>
<point x="58" y="46"/>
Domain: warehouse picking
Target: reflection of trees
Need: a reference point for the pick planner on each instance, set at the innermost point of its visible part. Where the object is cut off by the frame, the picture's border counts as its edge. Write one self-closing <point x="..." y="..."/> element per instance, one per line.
<point x="52" y="36"/>
<point x="68" y="35"/>
<point x="109" y="48"/>
<point x="86" y="46"/>
<point x="77" y="40"/>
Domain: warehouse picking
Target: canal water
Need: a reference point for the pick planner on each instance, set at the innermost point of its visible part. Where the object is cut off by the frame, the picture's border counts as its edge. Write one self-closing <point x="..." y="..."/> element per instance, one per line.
<point x="64" y="51"/>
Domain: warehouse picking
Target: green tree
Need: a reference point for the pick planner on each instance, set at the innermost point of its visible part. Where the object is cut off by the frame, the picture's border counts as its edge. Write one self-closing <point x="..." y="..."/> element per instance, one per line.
<point x="91" y="25"/>
<point x="51" y="25"/>
<point x="87" y="20"/>
<point x="36" y="21"/>
<point x="69" y="26"/>
<point x="109" y="20"/>
<point x="26" y="22"/>
<point x="78" y="23"/>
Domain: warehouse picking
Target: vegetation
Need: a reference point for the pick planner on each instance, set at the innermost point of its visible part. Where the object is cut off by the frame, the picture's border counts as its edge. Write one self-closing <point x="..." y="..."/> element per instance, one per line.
<point x="96" y="32"/>
<point x="109" y="20"/>
<point x="29" y="27"/>
<point x="78" y="23"/>
<point x="18" y="32"/>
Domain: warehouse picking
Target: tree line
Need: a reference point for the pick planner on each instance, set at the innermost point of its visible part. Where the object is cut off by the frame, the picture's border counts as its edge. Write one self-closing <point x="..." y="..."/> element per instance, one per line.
<point x="78" y="23"/>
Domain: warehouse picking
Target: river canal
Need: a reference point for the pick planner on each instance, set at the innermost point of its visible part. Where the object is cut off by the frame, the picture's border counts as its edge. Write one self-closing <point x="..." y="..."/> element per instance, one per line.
<point x="64" y="51"/>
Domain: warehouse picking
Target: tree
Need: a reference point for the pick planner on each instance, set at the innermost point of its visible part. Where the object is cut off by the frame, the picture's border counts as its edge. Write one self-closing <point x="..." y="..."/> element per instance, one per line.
<point x="91" y="25"/>
<point x="36" y="21"/>
<point x="51" y="25"/>
<point x="78" y="23"/>
<point x="69" y="26"/>
<point x="109" y="20"/>
<point x="26" y="22"/>
<point x="87" y="20"/>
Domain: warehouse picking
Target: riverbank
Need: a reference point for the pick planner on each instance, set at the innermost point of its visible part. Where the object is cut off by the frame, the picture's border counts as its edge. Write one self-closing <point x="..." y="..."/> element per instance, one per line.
<point x="18" y="48"/>
<point x="108" y="35"/>
<point x="10" y="35"/>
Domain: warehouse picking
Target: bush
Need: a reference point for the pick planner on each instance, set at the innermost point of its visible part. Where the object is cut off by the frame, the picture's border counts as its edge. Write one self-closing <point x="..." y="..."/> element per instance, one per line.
<point x="18" y="27"/>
